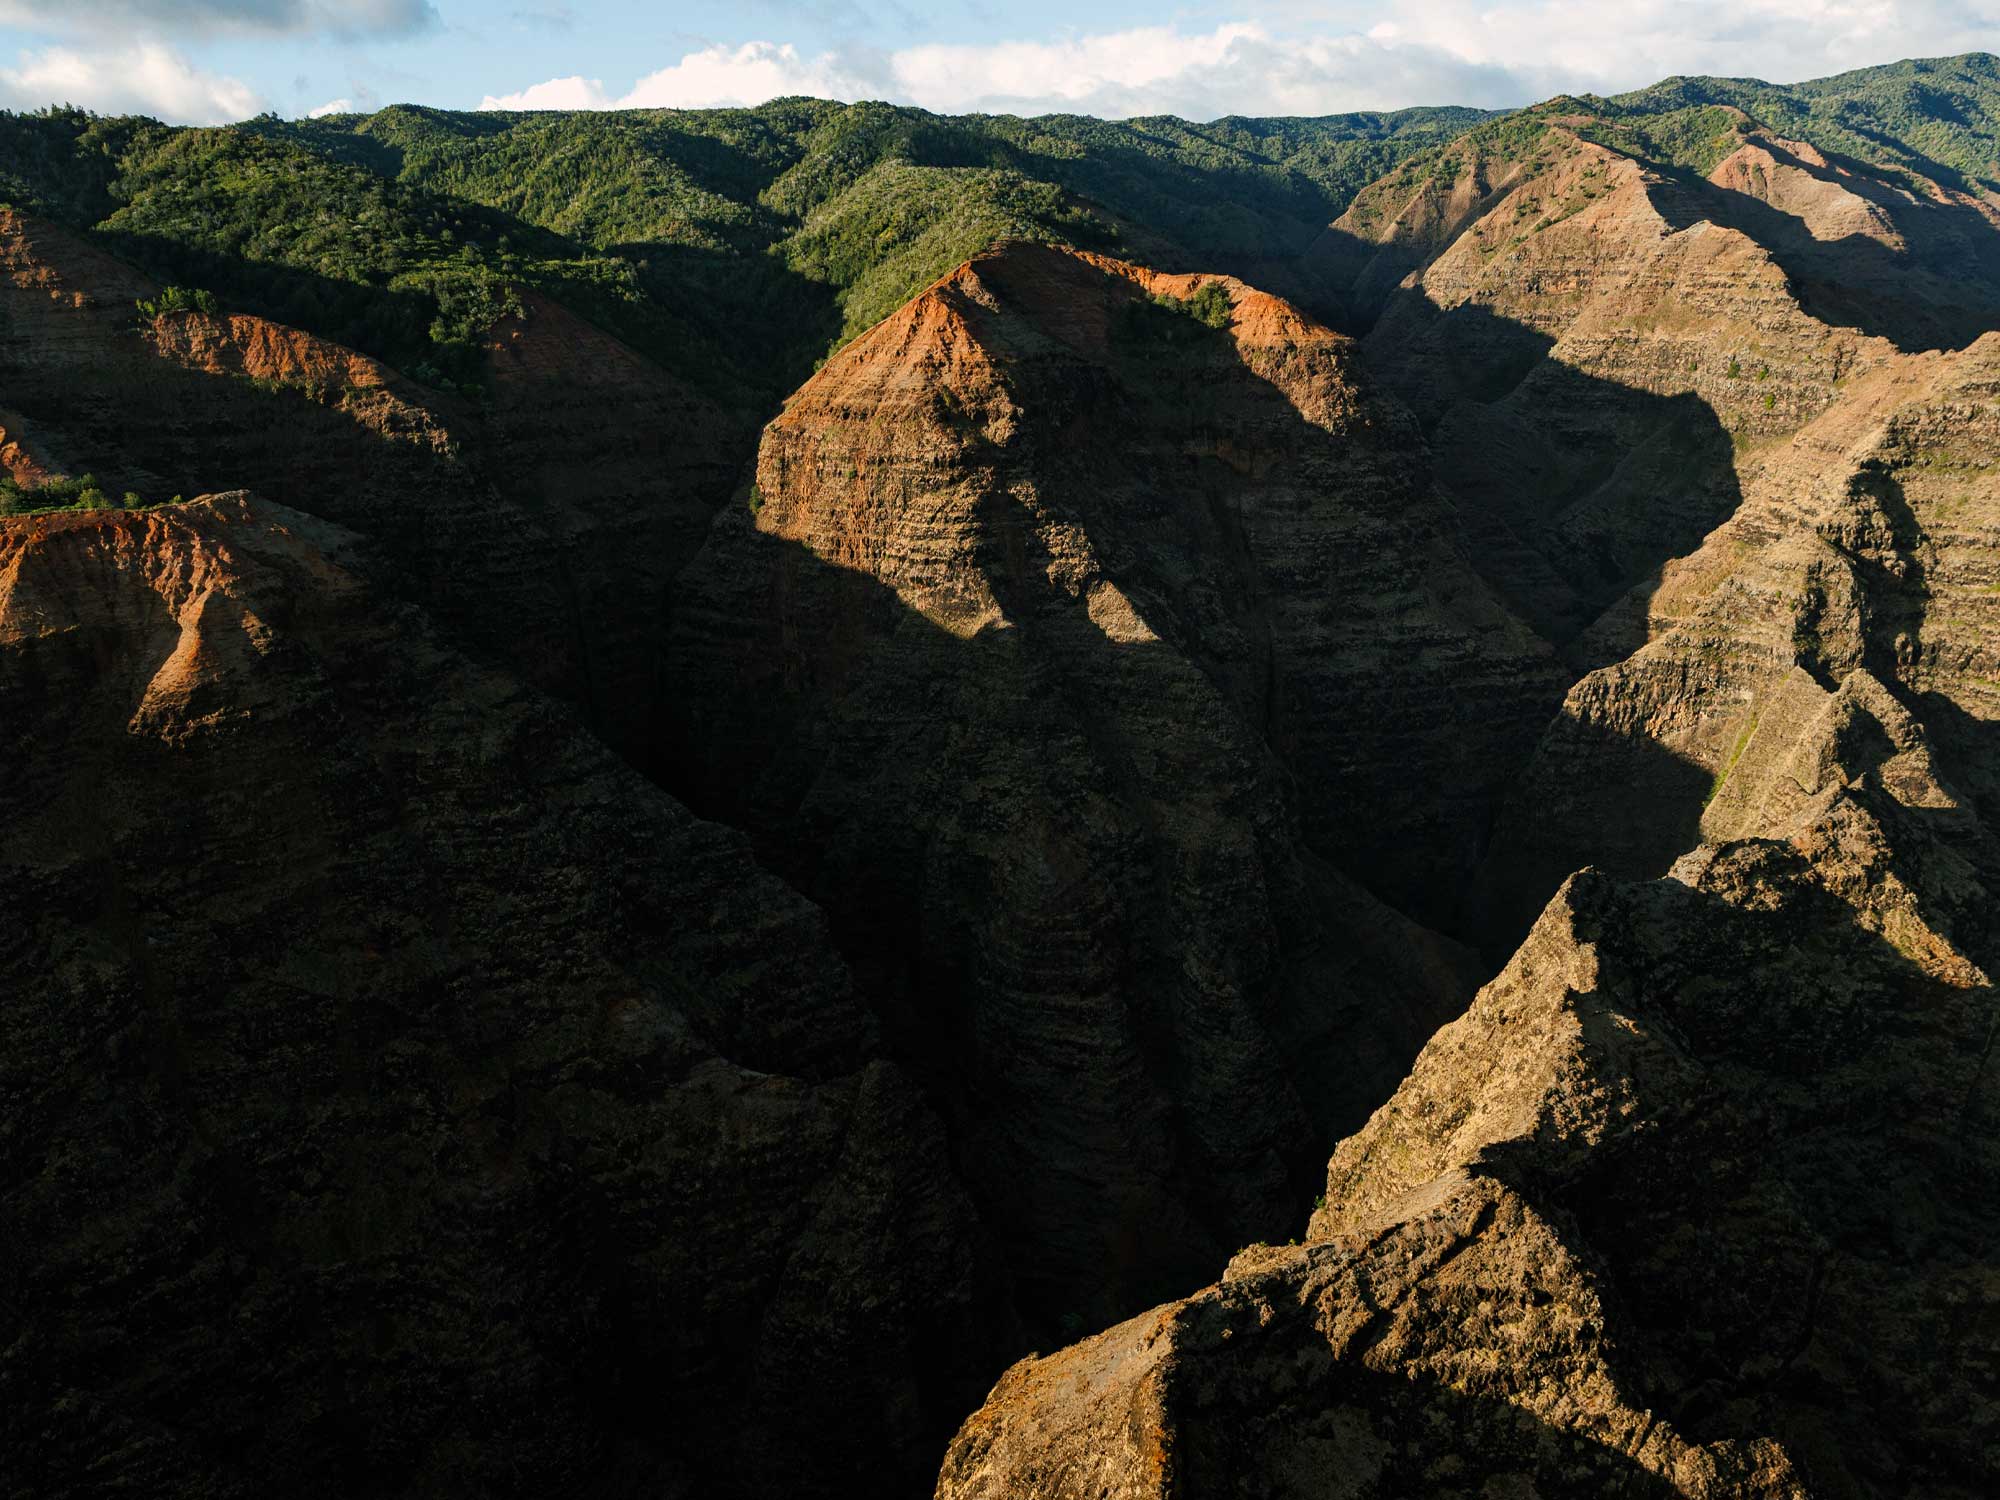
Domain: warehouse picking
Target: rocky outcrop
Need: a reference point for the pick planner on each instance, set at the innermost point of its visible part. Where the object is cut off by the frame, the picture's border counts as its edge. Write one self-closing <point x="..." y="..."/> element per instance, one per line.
<point x="1097" y="669"/>
<point x="23" y="456"/>
<point x="402" y="1096"/>
<point x="1696" y="1200"/>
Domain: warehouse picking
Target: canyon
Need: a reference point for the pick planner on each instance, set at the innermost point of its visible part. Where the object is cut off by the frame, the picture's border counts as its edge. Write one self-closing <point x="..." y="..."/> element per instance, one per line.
<point x="1360" y="864"/>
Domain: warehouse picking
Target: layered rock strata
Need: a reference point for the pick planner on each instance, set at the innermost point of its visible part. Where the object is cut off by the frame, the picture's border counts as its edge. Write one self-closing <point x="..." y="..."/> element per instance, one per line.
<point x="1096" y="668"/>
<point x="541" y="522"/>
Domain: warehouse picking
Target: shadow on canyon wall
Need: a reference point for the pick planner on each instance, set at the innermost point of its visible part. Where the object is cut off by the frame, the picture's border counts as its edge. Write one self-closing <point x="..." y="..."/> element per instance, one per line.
<point x="1938" y="289"/>
<point x="1121" y="931"/>
<point x="1099" y="911"/>
<point x="1761" y="1280"/>
<point x="1346" y="1429"/>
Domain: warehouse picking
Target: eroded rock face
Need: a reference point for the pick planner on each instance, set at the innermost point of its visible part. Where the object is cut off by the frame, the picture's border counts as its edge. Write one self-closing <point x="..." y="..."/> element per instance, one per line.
<point x="1597" y="344"/>
<point x="1093" y="666"/>
<point x="541" y="525"/>
<point x="1697" y="1199"/>
<point x="1645" y="389"/>
<point x="1865" y="545"/>
<point x="401" y="1095"/>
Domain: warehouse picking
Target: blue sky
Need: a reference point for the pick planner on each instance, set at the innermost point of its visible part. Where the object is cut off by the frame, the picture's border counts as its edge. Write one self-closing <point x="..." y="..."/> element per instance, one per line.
<point x="212" y="60"/>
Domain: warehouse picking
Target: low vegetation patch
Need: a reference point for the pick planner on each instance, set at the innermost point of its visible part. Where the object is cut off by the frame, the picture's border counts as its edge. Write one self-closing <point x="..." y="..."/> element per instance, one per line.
<point x="62" y="492"/>
<point x="1735" y="754"/>
<point x="1168" y="319"/>
<point x="175" y="299"/>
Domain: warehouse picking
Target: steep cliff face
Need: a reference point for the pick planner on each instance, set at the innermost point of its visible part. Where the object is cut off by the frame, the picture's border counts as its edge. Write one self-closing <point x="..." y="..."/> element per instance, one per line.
<point x="1613" y="358"/>
<point x="542" y="522"/>
<point x="1914" y="257"/>
<point x="1589" y="354"/>
<point x="1696" y="1200"/>
<point x="1866" y="544"/>
<point x="1064" y="648"/>
<point x="1597" y="343"/>
<point x="403" y="1096"/>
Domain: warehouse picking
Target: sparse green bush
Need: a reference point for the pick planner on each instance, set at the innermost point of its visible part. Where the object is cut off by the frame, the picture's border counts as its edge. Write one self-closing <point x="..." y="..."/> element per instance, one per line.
<point x="58" y="492"/>
<point x="175" y="299"/>
<point x="1210" y="305"/>
<point x="1170" y="319"/>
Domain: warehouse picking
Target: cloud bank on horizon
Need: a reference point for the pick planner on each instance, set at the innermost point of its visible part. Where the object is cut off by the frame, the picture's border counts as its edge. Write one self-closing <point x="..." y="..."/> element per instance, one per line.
<point x="1258" y="57"/>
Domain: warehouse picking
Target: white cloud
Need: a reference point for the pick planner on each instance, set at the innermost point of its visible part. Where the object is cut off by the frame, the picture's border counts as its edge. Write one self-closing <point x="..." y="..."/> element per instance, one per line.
<point x="145" y="78"/>
<point x="749" y="74"/>
<point x="1591" y="45"/>
<point x="714" y="77"/>
<point x="1235" y="69"/>
<point x="557" y="93"/>
<point x="1121" y="62"/>
<point x="331" y="107"/>
<point x="1315" y="57"/>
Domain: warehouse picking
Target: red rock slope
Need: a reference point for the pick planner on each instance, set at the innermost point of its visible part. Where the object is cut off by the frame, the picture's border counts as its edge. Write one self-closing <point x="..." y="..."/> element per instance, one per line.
<point x="1062" y="649"/>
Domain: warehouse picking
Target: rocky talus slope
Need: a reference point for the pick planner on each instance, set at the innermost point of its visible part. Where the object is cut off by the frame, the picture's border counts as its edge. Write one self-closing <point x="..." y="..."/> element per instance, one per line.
<point x="1098" y="669"/>
<point x="400" y="1094"/>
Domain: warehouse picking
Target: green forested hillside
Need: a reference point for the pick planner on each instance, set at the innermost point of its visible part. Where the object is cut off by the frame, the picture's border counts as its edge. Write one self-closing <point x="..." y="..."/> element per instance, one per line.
<point x="809" y="220"/>
<point x="737" y="245"/>
<point x="273" y="227"/>
<point x="1937" y="117"/>
<point x="741" y="245"/>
